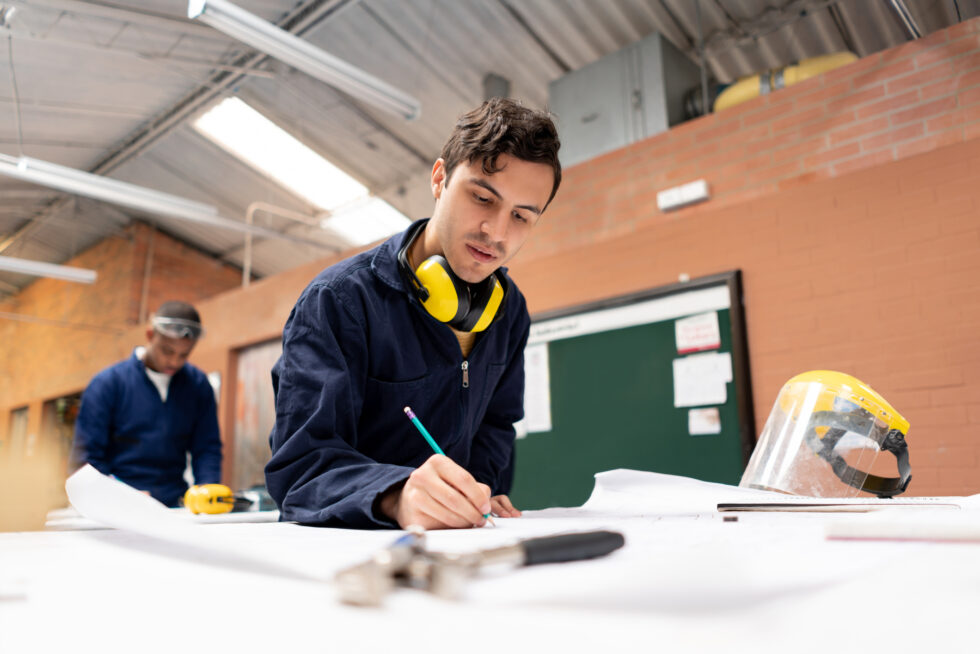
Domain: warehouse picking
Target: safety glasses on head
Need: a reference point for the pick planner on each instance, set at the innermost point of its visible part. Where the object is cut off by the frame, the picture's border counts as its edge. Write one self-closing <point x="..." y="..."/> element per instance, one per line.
<point x="177" y="327"/>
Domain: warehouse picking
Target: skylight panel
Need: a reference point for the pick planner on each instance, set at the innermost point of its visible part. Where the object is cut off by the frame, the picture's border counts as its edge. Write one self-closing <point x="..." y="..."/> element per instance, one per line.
<point x="365" y="221"/>
<point x="256" y="140"/>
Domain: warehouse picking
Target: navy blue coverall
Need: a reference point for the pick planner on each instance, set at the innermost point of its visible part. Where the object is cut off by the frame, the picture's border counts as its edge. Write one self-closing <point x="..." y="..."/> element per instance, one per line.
<point x="357" y="349"/>
<point x="126" y="430"/>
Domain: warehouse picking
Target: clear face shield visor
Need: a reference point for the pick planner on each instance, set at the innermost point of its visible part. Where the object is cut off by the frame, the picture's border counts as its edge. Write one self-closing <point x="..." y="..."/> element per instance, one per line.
<point x="177" y="327"/>
<point x="824" y="436"/>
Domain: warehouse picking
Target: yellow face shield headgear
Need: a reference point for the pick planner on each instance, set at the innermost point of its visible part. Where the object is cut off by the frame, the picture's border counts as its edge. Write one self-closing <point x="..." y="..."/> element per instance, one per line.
<point x="823" y="436"/>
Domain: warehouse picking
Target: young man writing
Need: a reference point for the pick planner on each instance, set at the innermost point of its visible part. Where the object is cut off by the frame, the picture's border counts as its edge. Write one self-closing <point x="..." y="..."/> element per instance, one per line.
<point x="428" y="319"/>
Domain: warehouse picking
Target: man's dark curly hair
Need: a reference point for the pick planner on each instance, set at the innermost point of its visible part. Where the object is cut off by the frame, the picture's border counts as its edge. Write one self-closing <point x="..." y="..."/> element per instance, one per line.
<point x="503" y="126"/>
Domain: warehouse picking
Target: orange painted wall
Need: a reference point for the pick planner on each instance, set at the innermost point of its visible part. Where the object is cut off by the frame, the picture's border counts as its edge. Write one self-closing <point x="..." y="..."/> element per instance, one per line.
<point x="850" y="201"/>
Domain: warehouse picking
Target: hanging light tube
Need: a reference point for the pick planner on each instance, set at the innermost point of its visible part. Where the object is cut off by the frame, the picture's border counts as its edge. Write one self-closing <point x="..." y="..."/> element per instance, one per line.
<point x="303" y="55"/>
<point x="41" y="269"/>
<point x="135" y="197"/>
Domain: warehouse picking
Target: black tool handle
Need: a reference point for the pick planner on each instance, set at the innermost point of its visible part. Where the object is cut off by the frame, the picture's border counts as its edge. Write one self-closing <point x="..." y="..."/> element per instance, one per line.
<point x="570" y="547"/>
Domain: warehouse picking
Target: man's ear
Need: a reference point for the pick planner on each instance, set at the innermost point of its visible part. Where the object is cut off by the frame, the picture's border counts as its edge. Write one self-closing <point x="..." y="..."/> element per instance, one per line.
<point x="149" y="334"/>
<point x="438" y="178"/>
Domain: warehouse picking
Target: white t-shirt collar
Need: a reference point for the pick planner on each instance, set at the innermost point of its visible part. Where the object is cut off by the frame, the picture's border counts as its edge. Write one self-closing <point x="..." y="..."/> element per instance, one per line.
<point x="160" y="379"/>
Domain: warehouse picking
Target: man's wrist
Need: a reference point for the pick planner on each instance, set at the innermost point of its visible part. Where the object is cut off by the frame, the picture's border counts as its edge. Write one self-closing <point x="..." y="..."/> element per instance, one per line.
<point x="389" y="500"/>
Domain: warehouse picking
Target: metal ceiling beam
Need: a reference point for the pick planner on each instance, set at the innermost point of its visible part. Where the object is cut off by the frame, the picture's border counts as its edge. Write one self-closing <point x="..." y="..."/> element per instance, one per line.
<point x="745" y="31"/>
<point x="15" y="196"/>
<point x="905" y="18"/>
<point x="545" y="48"/>
<point x="75" y="109"/>
<point x="845" y="31"/>
<point x="146" y="57"/>
<point x="125" y="14"/>
<point x="302" y="18"/>
<point x="51" y="143"/>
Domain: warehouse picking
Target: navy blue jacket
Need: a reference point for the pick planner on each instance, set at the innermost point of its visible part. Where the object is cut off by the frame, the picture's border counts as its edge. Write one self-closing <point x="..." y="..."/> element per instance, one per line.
<point x="124" y="429"/>
<point x="357" y="348"/>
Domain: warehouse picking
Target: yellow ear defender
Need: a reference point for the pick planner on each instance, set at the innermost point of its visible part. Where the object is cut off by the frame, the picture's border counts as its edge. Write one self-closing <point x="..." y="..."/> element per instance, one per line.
<point x="446" y="297"/>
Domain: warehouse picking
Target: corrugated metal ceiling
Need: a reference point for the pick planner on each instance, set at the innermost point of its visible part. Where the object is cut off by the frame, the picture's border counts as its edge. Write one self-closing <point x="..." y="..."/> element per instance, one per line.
<point x="111" y="87"/>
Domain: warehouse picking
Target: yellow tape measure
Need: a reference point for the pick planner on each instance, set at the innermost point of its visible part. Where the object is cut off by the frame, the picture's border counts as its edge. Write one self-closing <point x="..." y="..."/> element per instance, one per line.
<point x="209" y="498"/>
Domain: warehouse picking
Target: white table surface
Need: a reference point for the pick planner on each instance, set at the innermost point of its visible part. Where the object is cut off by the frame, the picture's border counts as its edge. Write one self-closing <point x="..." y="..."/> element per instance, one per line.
<point x="768" y="582"/>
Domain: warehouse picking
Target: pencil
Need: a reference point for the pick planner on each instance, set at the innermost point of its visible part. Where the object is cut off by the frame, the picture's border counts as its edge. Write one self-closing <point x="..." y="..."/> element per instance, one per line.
<point x="433" y="444"/>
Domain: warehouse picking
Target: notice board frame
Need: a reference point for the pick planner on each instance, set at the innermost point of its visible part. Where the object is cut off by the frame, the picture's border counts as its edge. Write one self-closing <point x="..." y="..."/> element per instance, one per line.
<point x="551" y="475"/>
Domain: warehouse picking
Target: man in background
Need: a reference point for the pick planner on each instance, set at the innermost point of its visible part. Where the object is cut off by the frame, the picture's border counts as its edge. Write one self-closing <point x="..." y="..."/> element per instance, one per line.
<point x="141" y="417"/>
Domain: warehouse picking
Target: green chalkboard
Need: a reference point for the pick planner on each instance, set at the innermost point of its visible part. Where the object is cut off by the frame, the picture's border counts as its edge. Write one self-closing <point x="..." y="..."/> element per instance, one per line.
<point x="610" y="369"/>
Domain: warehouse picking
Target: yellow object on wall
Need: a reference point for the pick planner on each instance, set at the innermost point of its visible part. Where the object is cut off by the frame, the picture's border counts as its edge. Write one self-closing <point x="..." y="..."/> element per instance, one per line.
<point x="760" y="84"/>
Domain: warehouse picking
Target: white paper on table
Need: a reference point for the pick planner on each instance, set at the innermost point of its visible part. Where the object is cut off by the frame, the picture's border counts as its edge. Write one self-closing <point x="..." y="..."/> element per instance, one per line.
<point x="669" y="564"/>
<point x="700" y="379"/>
<point x="637" y="492"/>
<point x="537" y="389"/>
<point x="115" y="504"/>
<point x="697" y="333"/>
<point x="112" y="503"/>
<point x="704" y="421"/>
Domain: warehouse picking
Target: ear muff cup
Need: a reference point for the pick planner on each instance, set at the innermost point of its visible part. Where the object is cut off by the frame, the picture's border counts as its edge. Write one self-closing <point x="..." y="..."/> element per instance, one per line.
<point x="449" y="299"/>
<point x="485" y="301"/>
<point x="446" y="297"/>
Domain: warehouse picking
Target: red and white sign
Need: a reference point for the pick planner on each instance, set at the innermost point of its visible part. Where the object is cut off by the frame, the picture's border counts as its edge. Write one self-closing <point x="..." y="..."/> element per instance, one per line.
<point x="697" y="333"/>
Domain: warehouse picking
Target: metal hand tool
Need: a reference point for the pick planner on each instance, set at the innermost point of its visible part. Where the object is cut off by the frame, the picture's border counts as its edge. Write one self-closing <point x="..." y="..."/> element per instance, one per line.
<point x="407" y="563"/>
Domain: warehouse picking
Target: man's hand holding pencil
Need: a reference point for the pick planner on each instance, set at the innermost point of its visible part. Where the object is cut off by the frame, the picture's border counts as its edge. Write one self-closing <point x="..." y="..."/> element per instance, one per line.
<point x="440" y="493"/>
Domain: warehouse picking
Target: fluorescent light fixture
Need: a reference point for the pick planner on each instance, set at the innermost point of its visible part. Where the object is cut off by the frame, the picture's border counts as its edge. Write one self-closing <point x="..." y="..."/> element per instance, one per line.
<point x="259" y="142"/>
<point x="302" y="55"/>
<point x="136" y="197"/>
<point x="40" y="269"/>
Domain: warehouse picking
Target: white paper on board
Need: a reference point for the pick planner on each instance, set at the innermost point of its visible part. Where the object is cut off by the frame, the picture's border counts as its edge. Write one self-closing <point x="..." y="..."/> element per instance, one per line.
<point x="537" y="389"/>
<point x="701" y="422"/>
<point x="700" y="379"/>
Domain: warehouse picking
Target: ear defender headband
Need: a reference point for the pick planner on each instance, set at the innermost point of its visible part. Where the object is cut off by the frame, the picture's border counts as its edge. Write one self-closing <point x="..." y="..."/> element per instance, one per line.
<point x="446" y="297"/>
